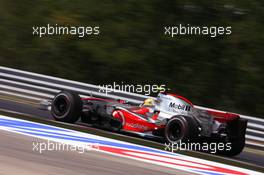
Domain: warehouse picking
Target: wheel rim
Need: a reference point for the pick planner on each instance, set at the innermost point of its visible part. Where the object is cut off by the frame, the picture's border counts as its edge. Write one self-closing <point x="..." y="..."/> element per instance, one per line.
<point x="175" y="131"/>
<point x="61" y="106"/>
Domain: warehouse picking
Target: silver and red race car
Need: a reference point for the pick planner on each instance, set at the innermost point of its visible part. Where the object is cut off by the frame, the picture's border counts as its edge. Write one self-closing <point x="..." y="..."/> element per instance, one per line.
<point x="170" y="117"/>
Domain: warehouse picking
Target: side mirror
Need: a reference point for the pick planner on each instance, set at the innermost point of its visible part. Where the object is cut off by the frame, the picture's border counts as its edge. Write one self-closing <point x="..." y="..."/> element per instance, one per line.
<point x="156" y="111"/>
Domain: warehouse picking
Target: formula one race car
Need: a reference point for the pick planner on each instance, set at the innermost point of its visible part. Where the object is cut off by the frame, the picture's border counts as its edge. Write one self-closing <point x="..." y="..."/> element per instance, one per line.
<point x="169" y="116"/>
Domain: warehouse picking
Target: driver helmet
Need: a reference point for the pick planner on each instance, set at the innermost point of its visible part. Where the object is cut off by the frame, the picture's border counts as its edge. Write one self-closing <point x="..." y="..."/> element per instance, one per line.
<point x="149" y="102"/>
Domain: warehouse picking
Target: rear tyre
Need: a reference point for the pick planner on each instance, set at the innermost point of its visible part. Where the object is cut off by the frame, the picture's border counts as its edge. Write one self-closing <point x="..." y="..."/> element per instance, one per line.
<point x="237" y="146"/>
<point x="66" y="107"/>
<point x="236" y="131"/>
<point x="181" y="128"/>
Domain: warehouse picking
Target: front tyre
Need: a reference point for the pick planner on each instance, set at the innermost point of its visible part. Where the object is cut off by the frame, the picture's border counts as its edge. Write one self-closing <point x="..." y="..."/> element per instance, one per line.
<point x="66" y="107"/>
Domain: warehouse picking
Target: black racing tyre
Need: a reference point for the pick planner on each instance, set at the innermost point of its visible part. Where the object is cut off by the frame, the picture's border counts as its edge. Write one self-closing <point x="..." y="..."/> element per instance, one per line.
<point x="236" y="137"/>
<point x="181" y="128"/>
<point x="66" y="107"/>
<point x="237" y="146"/>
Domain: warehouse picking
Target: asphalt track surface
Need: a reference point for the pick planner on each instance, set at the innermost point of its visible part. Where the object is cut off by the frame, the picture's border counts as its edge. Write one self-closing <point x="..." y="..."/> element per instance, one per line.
<point x="18" y="157"/>
<point x="16" y="149"/>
